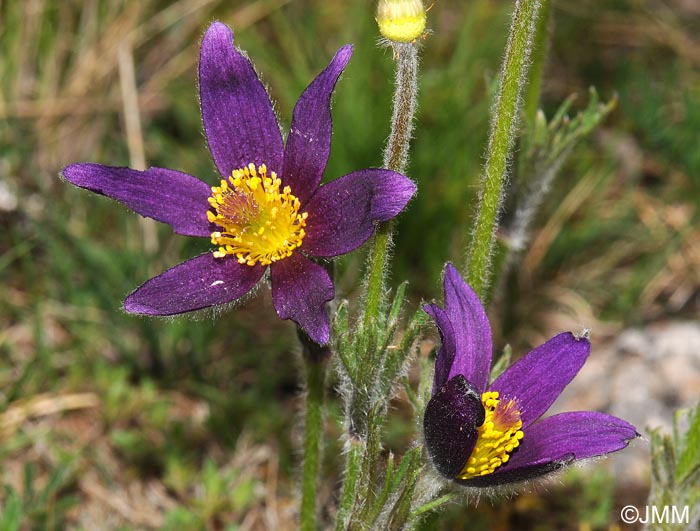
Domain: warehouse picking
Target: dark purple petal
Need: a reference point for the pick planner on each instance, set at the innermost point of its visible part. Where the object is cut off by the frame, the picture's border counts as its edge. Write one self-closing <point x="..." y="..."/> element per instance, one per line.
<point x="471" y="328"/>
<point x="517" y="475"/>
<point x="300" y="290"/>
<point x="446" y="354"/>
<point x="536" y="380"/>
<point x="450" y="425"/>
<point x="198" y="283"/>
<point x="581" y="434"/>
<point x="239" y="122"/>
<point x="342" y="213"/>
<point x="557" y="441"/>
<point x="309" y="140"/>
<point x="170" y="196"/>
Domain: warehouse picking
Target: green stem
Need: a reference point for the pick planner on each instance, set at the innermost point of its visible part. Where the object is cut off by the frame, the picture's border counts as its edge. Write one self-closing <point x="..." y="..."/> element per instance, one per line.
<point x="503" y="131"/>
<point x="395" y="158"/>
<point x="405" y="94"/>
<point x="540" y="45"/>
<point x="377" y="271"/>
<point x="315" y="376"/>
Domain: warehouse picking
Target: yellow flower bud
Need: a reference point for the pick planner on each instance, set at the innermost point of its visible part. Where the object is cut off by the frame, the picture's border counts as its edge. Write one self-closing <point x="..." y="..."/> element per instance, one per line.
<point x="401" y="20"/>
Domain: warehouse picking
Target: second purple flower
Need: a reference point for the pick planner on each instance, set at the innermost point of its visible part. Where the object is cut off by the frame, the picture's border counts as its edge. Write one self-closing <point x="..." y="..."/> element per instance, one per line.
<point x="483" y="435"/>
<point x="269" y="209"/>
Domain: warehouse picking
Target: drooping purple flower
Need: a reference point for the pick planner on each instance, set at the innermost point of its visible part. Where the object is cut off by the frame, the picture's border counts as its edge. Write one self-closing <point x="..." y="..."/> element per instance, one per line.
<point x="485" y="435"/>
<point x="268" y="210"/>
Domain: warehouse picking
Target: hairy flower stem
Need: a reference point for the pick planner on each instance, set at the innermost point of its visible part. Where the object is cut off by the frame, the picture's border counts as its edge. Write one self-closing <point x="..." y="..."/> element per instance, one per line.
<point x="315" y="362"/>
<point x="395" y="158"/>
<point x="503" y="131"/>
<point x="315" y="376"/>
<point x="540" y="46"/>
<point x="531" y="98"/>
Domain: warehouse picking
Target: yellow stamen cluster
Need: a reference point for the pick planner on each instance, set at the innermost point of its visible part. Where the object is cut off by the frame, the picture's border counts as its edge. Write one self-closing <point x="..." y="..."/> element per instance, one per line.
<point x="260" y="224"/>
<point x="401" y="20"/>
<point x="498" y="436"/>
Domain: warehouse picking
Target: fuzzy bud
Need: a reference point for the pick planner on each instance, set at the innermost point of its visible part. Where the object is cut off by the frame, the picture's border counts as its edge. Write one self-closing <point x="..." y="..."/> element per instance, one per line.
<point x="401" y="20"/>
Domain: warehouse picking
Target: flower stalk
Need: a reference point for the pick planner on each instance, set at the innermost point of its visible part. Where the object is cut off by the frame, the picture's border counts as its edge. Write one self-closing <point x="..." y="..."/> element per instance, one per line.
<point x="315" y="379"/>
<point x="396" y="159"/>
<point x="540" y="48"/>
<point x="315" y="358"/>
<point x="504" y="124"/>
<point x="356" y="483"/>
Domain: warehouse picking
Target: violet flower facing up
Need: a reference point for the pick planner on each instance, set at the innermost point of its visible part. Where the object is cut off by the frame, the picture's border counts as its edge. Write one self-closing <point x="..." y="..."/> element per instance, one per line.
<point x="268" y="210"/>
<point x="485" y="435"/>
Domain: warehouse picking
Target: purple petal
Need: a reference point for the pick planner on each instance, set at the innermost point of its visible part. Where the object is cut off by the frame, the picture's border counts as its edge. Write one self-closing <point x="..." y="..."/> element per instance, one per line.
<point x="471" y="328"/>
<point x="239" y="122"/>
<point x="450" y="425"/>
<point x="300" y="290"/>
<point x="309" y="140"/>
<point x="536" y="380"/>
<point x="198" y="283"/>
<point x="170" y="196"/>
<point x="557" y="441"/>
<point x="343" y="212"/>
<point x="581" y="434"/>
<point x="446" y="354"/>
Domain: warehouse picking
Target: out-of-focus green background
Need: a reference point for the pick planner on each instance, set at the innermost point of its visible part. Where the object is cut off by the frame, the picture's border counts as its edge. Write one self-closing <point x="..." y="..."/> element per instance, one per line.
<point x="109" y="421"/>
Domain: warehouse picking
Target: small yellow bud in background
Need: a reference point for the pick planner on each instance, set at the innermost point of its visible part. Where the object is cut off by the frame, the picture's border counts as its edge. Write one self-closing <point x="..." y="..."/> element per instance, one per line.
<point x="401" y="20"/>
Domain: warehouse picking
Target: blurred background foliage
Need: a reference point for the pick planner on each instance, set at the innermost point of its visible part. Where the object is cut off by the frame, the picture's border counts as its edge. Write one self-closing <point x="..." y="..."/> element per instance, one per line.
<point x="109" y="421"/>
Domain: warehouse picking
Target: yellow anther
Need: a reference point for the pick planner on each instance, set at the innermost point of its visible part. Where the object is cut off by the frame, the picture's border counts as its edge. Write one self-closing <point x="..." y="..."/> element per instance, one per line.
<point x="245" y="207"/>
<point x="498" y="436"/>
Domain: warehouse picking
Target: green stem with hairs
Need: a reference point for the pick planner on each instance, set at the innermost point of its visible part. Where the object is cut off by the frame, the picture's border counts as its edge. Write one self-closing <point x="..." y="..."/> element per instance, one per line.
<point x="503" y="131"/>
<point x="377" y="271"/>
<point x="315" y="359"/>
<point x="395" y="158"/>
<point x="315" y="377"/>
<point x="540" y="45"/>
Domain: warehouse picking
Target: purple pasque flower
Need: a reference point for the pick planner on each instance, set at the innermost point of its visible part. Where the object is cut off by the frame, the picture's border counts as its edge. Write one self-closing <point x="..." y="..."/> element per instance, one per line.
<point x="485" y="435"/>
<point x="268" y="210"/>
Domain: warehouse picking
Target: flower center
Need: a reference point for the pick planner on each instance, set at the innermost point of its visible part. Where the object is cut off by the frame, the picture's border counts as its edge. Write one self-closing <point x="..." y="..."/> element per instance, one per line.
<point x="498" y="436"/>
<point x="259" y="223"/>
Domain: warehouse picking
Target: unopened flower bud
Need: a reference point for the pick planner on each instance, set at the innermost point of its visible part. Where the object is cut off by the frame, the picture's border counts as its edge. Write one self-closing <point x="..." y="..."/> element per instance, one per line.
<point x="401" y="20"/>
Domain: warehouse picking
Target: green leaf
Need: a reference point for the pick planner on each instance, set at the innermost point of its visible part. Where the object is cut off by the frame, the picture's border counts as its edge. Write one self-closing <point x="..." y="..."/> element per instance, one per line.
<point x="433" y="504"/>
<point x="11" y="513"/>
<point x="397" y="303"/>
<point x="689" y="444"/>
<point x="675" y="466"/>
<point x="401" y="511"/>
